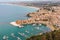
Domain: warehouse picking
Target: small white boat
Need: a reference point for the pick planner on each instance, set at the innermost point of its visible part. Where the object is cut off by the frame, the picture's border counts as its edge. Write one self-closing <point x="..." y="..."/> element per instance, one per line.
<point x="39" y="24"/>
<point x="22" y="34"/>
<point x="37" y="28"/>
<point x="27" y="31"/>
<point x="12" y="34"/>
<point x="5" y="37"/>
<point x="21" y="26"/>
<point x="34" y="25"/>
<point x="18" y="38"/>
<point x="40" y="33"/>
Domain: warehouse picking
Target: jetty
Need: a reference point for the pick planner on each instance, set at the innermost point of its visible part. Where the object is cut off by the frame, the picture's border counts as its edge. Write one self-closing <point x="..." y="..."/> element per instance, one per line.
<point x="50" y="16"/>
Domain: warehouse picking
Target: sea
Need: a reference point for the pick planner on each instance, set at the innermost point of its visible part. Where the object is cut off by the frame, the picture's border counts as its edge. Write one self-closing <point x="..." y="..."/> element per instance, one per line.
<point x="10" y="13"/>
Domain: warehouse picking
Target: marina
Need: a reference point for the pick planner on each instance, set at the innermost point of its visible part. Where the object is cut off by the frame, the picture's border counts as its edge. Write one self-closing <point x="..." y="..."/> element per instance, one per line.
<point x="11" y="14"/>
<point x="50" y="18"/>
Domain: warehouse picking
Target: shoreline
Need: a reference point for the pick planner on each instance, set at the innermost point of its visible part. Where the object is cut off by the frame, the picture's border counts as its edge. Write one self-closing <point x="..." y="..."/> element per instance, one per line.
<point x="34" y="17"/>
<point x="20" y="5"/>
<point x="14" y="24"/>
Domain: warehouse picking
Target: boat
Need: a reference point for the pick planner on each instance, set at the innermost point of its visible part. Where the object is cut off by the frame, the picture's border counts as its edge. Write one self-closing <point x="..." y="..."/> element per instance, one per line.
<point x="39" y="24"/>
<point x="18" y="38"/>
<point x="12" y="34"/>
<point x="5" y="37"/>
<point x="22" y="34"/>
<point x="21" y="26"/>
<point x="33" y="24"/>
<point x="27" y="31"/>
<point x="37" y="28"/>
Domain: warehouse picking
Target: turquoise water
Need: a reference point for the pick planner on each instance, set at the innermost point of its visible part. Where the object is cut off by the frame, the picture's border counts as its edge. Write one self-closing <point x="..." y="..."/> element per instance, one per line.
<point x="9" y="13"/>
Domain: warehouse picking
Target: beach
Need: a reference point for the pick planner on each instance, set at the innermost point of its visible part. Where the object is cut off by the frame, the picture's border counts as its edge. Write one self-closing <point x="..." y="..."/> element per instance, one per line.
<point x="20" y="5"/>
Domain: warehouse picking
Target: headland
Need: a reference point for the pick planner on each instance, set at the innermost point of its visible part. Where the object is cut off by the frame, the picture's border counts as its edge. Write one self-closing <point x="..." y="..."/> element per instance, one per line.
<point x="49" y="16"/>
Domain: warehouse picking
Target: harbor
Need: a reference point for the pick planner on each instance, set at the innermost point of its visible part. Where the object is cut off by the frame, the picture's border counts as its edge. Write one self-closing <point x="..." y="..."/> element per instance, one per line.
<point x="9" y="30"/>
<point x="47" y="16"/>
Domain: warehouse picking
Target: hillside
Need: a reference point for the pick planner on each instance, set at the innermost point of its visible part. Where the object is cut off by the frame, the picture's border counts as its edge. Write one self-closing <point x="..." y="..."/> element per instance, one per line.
<point x="54" y="35"/>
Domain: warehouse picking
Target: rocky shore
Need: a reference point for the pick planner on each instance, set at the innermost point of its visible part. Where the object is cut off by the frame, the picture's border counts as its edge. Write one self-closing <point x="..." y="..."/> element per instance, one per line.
<point x="49" y="16"/>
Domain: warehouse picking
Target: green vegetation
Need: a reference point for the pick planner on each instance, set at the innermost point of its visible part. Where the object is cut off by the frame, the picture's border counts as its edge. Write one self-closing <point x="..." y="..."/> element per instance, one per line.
<point x="54" y="35"/>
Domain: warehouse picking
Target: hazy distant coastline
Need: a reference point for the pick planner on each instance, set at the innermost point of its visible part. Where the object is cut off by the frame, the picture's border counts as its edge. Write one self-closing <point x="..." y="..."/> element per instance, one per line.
<point x="35" y="4"/>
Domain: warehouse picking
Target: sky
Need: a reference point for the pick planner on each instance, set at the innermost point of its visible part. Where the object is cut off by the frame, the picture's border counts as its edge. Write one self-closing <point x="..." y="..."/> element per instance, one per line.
<point x="25" y="0"/>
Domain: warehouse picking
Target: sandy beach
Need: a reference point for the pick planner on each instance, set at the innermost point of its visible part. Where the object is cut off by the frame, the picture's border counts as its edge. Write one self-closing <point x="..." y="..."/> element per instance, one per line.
<point x="20" y="5"/>
<point x="14" y="24"/>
